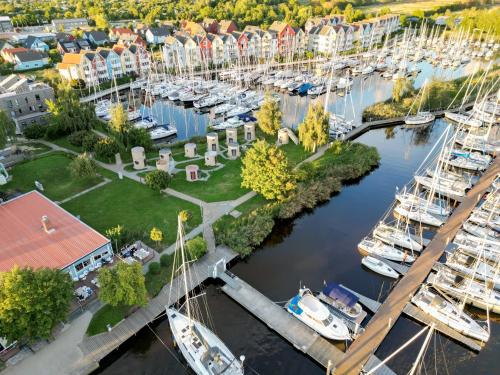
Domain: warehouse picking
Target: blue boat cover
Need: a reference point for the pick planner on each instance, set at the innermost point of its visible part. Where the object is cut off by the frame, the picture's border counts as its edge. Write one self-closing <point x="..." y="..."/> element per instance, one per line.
<point x="293" y="306"/>
<point x="336" y="292"/>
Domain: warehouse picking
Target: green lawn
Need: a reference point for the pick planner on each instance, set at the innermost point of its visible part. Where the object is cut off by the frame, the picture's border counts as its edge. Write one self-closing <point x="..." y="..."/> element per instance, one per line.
<point x="63" y="142"/>
<point x="52" y="171"/>
<point x="106" y="315"/>
<point x="135" y="206"/>
<point x="35" y="147"/>
<point x="251" y="204"/>
<point x="155" y="282"/>
<point x="223" y="184"/>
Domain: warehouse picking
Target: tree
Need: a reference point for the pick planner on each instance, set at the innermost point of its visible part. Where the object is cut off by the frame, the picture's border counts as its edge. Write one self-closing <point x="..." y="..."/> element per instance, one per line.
<point x="156" y="235"/>
<point x="115" y="233"/>
<point x="119" y="122"/>
<point x="157" y="180"/>
<point x="349" y="13"/>
<point x="101" y="22"/>
<point x="269" y="116"/>
<point x="384" y="11"/>
<point x="138" y="137"/>
<point x="7" y="128"/>
<point x="313" y="131"/>
<point x="266" y="171"/>
<point x="196" y="247"/>
<point x="82" y="166"/>
<point x="123" y="284"/>
<point x="33" y="302"/>
<point x="402" y="86"/>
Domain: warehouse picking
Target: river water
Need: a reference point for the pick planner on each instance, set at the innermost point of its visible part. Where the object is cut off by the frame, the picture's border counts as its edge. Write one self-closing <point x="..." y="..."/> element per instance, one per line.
<point x="318" y="246"/>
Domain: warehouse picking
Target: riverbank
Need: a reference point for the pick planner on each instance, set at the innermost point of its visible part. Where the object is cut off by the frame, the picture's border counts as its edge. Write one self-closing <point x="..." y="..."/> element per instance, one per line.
<point x="318" y="180"/>
<point x="438" y="95"/>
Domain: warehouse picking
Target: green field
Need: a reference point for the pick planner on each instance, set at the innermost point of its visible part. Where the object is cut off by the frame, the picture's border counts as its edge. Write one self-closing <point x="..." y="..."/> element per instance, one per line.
<point x="407" y="6"/>
<point x="52" y="171"/>
<point x="106" y="315"/>
<point x="134" y="206"/>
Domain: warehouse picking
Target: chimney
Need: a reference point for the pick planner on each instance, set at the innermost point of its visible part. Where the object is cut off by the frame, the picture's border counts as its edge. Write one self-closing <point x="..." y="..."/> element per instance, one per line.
<point x="47" y="226"/>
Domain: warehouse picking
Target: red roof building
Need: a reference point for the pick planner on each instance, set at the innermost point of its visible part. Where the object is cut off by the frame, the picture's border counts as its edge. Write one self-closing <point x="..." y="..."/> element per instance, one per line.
<point x="37" y="233"/>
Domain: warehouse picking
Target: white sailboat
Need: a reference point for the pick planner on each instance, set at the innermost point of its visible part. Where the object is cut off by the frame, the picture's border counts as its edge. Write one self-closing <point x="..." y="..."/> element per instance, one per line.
<point x="375" y="247"/>
<point x="420" y="117"/>
<point x="418" y="214"/>
<point x="447" y="313"/>
<point x="379" y="267"/>
<point x="204" y="351"/>
<point x="395" y="236"/>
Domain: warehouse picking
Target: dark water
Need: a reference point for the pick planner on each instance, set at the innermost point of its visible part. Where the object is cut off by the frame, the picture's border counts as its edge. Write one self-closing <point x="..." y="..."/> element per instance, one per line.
<point x="318" y="246"/>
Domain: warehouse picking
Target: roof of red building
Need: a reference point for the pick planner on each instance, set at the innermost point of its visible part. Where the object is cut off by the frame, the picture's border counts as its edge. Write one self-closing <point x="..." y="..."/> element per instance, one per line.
<point x="24" y="241"/>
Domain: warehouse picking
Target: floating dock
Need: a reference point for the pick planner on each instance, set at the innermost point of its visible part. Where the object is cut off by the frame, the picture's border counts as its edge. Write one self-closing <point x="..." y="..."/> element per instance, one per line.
<point x="388" y="313"/>
<point x="276" y="318"/>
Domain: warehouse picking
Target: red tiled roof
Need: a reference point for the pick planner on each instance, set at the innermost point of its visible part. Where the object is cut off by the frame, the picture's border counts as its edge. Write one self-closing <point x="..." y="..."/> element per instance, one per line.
<point x="24" y="242"/>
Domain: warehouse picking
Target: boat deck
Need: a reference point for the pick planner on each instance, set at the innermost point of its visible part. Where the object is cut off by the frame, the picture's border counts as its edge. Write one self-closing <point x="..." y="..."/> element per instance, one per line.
<point x="388" y="313"/>
<point x="97" y="347"/>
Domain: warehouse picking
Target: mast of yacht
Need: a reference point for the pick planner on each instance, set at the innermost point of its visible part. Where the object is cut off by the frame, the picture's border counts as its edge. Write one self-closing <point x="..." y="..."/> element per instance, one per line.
<point x="180" y="245"/>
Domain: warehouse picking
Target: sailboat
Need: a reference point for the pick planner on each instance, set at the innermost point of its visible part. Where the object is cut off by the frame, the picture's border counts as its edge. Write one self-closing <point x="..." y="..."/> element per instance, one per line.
<point x="204" y="351"/>
<point x="421" y="117"/>
<point x="395" y="236"/>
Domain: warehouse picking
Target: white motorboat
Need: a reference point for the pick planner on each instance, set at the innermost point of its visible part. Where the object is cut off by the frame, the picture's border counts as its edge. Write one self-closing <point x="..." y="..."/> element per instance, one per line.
<point x="395" y="236"/>
<point x="444" y="311"/>
<point x="418" y="214"/>
<point x="421" y="118"/>
<point x="237" y="111"/>
<point x="463" y="119"/>
<point x="435" y="207"/>
<point x="161" y="132"/>
<point x="223" y="108"/>
<point x="342" y="300"/>
<point x="379" y="267"/>
<point x="207" y="101"/>
<point x="344" y="83"/>
<point x="367" y="70"/>
<point x="133" y="115"/>
<point x="203" y="350"/>
<point x="233" y="122"/>
<point x="481" y="231"/>
<point x="473" y="292"/>
<point x="316" y="90"/>
<point x="309" y="310"/>
<point x="375" y="247"/>
<point x="146" y="123"/>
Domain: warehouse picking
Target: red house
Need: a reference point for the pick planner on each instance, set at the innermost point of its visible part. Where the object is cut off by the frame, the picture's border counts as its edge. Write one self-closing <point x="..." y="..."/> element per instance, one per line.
<point x="205" y="45"/>
<point x="285" y="35"/>
<point x="242" y="41"/>
<point x="227" y="27"/>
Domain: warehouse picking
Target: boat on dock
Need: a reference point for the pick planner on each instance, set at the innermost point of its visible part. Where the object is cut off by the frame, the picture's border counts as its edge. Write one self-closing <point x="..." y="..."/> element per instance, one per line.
<point x="418" y="214"/>
<point x="378" y="266"/>
<point x="397" y="237"/>
<point x="311" y="311"/>
<point x="421" y="118"/>
<point x="473" y="267"/>
<point x="447" y="313"/>
<point x="376" y="247"/>
<point x="343" y="301"/>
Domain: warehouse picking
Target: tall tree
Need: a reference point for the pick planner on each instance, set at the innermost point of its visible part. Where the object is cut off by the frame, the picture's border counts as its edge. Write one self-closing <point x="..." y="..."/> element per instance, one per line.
<point x="123" y="284"/>
<point x="401" y="88"/>
<point x="349" y="13"/>
<point x="266" y="171"/>
<point x="119" y="122"/>
<point x="33" y="302"/>
<point x="7" y="128"/>
<point x="269" y="116"/>
<point x="313" y="131"/>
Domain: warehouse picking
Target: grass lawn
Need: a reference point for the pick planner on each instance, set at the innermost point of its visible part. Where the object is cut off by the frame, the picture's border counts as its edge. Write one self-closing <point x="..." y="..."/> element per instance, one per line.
<point x="223" y="184"/>
<point x="35" y="147"/>
<point x="251" y="204"/>
<point x="135" y="206"/>
<point x="155" y="282"/>
<point x="63" y="142"/>
<point x="407" y="6"/>
<point x="52" y="171"/>
<point x="106" y="315"/>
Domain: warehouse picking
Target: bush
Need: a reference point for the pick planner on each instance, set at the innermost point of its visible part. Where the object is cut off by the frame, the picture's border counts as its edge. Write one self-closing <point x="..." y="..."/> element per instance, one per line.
<point x="154" y="268"/>
<point x="89" y="141"/>
<point x="53" y="132"/>
<point x="82" y="166"/>
<point x="157" y="180"/>
<point x="165" y="260"/>
<point x="106" y="148"/>
<point x="196" y="247"/>
<point x="35" y="131"/>
<point x="139" y="137"/>
<point x="77" y="138"/>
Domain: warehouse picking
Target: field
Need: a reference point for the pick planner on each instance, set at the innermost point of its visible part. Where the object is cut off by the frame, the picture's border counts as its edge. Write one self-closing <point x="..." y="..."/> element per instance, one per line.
<point x="407" y="6"/>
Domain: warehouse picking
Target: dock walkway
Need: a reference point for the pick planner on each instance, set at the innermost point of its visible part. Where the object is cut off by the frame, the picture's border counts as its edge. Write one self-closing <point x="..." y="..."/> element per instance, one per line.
<point x="388" y="313"/>
<point x="96" y="347"/>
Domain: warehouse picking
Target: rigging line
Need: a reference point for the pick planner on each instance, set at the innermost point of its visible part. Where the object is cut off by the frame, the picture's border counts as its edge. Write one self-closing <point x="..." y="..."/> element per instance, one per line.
<point x="166" y="347"/>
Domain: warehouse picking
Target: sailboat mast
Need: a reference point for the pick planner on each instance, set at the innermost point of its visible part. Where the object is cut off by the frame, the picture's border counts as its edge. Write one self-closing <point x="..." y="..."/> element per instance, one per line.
<point x="180" y="239"/>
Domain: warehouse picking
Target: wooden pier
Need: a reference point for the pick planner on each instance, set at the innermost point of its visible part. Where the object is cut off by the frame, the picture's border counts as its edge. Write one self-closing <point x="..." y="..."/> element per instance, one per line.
<point x="97" y="347"/>
<point x="276" y="318"/>
<point x="388" y="313"/>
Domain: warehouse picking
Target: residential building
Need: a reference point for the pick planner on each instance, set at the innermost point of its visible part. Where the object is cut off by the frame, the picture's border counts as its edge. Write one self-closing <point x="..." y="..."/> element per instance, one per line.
<point x="157" y="35"/>
<point x="96" y="38"/>
<point x="34" y="43"/>
<point x="30" y="59"/>
<point x="120" y="33"/>
<point x="331" y="20"/>
<point x="8" y="54"/>
<point x="142" y="58"/>
<point x="68" y="24"/>
<point x="180" y="51"/>
<point x="128" y="60"/>
<point x="24" y="102"/>
<point x="67" y="46"/>
<point x="227" y="27"/>
<point x="38" y="233"/>
<point x="5" y="24"/>
<point x="285" y="36"/>
<point x="192" y="28"/>
<point x="113" y="62"/>
<point x="217" y="44"/>
<point x="88" y="66"/>
<point x="231" y="50"/>
<point x="210" y="25"/>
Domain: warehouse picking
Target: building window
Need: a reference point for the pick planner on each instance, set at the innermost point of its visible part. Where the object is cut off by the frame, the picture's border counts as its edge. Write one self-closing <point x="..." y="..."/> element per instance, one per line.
<point x="80" y="266"/>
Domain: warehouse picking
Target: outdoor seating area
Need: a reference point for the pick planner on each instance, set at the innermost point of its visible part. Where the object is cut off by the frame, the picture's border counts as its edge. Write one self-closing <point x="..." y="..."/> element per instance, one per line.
<point x="108" y="259"/>
<point x="136" y="252"/>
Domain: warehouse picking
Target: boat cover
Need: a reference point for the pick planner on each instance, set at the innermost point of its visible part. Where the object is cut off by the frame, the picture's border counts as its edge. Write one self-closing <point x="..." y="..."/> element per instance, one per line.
<point x="336" y="292"/>
<point x="293" y="305"/>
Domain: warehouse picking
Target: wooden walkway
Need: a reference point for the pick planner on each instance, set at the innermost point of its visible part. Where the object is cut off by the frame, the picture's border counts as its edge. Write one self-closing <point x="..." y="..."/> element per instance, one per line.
<point x="388" y="313"/>
<point x="278" y="319"/>
<point x="97" y="347"/>
<point x="101" y="93"/>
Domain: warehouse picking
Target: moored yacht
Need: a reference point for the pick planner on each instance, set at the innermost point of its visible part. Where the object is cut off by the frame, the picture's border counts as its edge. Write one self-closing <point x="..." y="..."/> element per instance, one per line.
<point x="421" y="118"/>
<point x="418" y="214"/>
<point x="342" y="300"/>
<point x="374" y="247"/>
<point x="463" y="119"/>
<point x="379" y="267"/>
<point x="311" y="311"/>
<point x="395" y="236"/>
<point x="444" y="311"/>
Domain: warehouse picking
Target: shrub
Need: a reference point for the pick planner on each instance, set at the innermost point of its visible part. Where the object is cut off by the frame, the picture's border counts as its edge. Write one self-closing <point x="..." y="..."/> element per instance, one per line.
<point x="89" y="141"/>
<point x="77" y="138"/>
<point x="82" y="166"/>
<point x="35" y="131"/>
<point x="157" y="180"/>
<point x="165" y="260"/>
<point x="154" y="268"/>
<point x="196" y="247"/>
<point x="53" y="132"/>
<point x="106" y="148"/>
